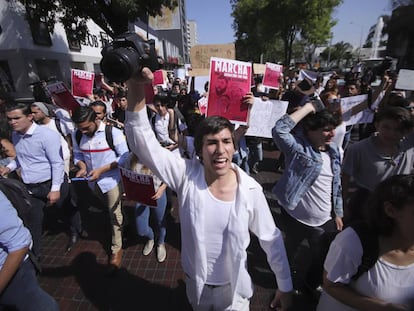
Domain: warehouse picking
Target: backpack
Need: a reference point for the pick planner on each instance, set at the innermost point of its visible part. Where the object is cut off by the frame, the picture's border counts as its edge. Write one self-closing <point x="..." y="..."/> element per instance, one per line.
<point x="18" y="195"/>
<point x="108" y="136"/>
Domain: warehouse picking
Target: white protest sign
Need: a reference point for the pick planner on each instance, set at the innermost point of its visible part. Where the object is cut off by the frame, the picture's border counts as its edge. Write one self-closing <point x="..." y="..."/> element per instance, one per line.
<point x="263" y="116"/>
<point x="405" y="80"/>
<point x="347" y="103"/>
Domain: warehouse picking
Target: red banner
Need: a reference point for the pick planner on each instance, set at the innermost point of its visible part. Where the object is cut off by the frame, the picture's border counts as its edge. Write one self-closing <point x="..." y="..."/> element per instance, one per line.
<point x="82" y="83"/>
<point x="229" y="82"/>
<point x="62" y="97"/>
<point x="138" y="187"/>
<point x="272" y="75"/>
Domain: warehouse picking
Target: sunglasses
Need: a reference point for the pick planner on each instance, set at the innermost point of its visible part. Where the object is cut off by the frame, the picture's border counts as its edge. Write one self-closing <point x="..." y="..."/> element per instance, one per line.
<point x="334" y="101"/>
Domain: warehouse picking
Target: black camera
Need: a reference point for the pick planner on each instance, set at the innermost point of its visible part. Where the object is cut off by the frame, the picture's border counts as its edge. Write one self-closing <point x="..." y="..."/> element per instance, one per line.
<point x="127" y="54"/>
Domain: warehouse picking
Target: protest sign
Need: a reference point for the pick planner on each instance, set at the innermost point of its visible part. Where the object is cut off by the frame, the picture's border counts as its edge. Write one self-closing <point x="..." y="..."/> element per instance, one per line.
<point x="347" y="103"/>
<point x="62" y="97"/>
<point x="158" y="77"/>
<point x="202" y="105"/>
<point x="138" y="187"/>
<point x="229" y="82"/>
<point x="272" y="75"/>
<point x="405" y="80"/>
<point x="259" y="69"/>
<point x="201" y="54"/>
<point x="82" y="82"/>
<point x="263" y="116"/>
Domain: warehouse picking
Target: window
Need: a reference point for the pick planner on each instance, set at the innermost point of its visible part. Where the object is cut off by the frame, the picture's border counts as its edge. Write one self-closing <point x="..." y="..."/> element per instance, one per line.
<point x="48" y="69"/>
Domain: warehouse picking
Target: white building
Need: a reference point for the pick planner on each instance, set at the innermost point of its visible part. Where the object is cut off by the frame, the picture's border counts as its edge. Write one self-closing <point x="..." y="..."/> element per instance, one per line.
<point x="192" y="36"/>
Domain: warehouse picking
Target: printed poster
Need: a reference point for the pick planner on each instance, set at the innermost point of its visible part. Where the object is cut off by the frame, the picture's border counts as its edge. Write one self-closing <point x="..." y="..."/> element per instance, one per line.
<point x="263" y="116"/>
<point x="62" y="97"/>
<point x="347" y="103"/>
<point x="202" y="105"/>
<point x="138" y="187"/>
<point x="82" y="82"/>
<point x="229" y="82"/>
<point x="272" y="75"/>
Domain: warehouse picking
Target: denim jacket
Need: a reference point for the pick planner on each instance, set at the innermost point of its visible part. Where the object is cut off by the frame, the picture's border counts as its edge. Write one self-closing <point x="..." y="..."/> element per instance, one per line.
<point x="303" y="166"/>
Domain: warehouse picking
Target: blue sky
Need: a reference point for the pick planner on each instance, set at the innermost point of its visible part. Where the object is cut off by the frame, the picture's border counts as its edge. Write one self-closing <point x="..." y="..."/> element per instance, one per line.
<point x="214" y="21"/>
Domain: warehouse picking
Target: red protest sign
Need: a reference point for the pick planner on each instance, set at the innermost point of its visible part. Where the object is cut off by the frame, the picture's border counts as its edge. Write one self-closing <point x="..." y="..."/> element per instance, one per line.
<point x="82" y="82"/>
<point x="138" y="187"/>
<point x="62" y="97"/>
<point x="229" y="82"/>
<point x="272" y="75"/>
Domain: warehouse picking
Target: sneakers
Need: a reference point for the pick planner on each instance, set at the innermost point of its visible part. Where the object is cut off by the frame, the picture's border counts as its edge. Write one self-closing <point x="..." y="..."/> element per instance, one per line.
<point x="161" y="253"/>
<point x="148" y="247"/>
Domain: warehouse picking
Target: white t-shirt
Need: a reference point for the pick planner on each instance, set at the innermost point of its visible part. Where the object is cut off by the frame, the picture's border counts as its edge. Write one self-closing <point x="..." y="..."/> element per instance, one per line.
<point x="161" y="128"/>
<point x="385" y="281"/>
<point x="217" y="215"/>
<point x="316" y="205"/>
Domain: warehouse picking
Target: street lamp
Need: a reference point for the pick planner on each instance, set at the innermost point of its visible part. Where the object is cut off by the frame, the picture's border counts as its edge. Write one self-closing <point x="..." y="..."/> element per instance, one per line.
<point x="360" y="38"/>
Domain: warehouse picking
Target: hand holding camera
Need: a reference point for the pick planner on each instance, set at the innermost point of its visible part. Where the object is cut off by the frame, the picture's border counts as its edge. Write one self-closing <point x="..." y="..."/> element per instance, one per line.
<point x="126" y="55"/>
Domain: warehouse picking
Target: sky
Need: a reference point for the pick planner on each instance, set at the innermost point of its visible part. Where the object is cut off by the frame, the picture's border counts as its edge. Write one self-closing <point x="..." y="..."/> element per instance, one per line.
<point x="354" y="18"/>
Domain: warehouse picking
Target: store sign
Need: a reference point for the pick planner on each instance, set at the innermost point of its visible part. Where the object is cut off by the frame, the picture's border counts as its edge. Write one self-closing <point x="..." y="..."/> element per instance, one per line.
<point x="96" y="40"/>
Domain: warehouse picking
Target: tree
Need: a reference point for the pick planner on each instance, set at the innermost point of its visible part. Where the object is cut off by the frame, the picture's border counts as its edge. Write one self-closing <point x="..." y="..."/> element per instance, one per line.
<point x="339" y="51"/>
<point x="111" y="15"/>
<point x="286" y="20"/>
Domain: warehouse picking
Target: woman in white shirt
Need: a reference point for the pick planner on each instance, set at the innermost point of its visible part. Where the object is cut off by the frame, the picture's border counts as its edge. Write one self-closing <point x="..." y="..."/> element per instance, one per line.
<point x="389" y="283"/>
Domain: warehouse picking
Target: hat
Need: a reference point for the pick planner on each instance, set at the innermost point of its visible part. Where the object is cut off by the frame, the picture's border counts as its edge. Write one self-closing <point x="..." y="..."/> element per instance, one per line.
<point x="42" y="107"/>
<point x="305" y="87"/>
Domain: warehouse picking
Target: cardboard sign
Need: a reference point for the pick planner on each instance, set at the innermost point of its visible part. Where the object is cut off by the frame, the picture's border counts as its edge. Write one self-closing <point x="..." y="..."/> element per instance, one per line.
<point x="82" y="82"/>
<point x="229" y="82"/>
<point x="263" y="116"/>
<point x="272" y="75"/>
<point x="259" y="69"/>
<point x="405" y="80"/>
<point x="138" y="187"/>
<point x="62" y="97"/>
<point x="201" y="54"/>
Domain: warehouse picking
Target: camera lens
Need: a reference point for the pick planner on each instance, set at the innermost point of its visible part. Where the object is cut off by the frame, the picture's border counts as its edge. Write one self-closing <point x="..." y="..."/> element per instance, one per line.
<point x="119" y="64"/>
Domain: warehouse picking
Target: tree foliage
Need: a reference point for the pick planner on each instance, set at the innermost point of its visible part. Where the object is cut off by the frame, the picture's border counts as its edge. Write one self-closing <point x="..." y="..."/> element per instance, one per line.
<point x="338" y="52"/>
<point x="111" y="15"/>
<point x="258" y="24"/>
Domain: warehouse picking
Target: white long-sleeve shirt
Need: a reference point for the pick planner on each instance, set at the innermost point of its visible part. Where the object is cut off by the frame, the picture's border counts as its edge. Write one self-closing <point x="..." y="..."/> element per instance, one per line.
<point x="250" y="213"/>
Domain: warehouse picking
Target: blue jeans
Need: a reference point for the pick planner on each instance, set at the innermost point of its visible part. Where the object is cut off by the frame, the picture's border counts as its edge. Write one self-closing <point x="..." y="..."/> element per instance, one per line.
<point x="23" y="292"/>
<point x="142" y="219"/>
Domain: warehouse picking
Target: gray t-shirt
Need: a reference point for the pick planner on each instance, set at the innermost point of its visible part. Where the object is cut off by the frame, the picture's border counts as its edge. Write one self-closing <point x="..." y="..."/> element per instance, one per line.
<point x="364" y="162"/>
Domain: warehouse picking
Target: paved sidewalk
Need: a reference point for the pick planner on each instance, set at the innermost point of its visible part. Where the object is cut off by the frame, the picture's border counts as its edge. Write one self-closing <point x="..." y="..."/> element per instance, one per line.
<point x="80" y="280"/>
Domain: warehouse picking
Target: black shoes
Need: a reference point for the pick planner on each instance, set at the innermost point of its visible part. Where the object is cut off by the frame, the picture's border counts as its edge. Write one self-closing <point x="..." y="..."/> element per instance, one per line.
<point x="74" y="237"/>
<point x="72" y="241"/>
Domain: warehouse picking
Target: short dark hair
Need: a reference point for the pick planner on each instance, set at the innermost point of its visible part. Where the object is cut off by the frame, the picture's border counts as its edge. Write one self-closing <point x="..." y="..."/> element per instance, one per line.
<point x="164" y="100"/>
<point x="398" y="114"/>
<point x="211" y="125"/>
<point x="98" y="103"/>
<point x="397" y="190"/>
<point x="83" y="114"/>
<point x="320" y="119"/>
<point x="14" y="105"/>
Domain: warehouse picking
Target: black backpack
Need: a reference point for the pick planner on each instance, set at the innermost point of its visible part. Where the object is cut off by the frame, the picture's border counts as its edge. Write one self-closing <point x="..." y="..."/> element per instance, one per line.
<point x="18" y="195"/>
<point x="108" y="136"/>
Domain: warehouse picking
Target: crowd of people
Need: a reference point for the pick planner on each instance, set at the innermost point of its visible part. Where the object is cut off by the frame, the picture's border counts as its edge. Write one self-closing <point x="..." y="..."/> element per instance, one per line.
<point x="347" y="190"/>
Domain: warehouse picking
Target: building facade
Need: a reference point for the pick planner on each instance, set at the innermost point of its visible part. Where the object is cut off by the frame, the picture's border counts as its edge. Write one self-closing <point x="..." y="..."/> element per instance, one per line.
<point x="29" y="53"/>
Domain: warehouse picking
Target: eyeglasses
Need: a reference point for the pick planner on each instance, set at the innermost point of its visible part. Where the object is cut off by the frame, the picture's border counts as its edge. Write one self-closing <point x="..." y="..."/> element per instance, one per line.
<point x="411" y="108"/>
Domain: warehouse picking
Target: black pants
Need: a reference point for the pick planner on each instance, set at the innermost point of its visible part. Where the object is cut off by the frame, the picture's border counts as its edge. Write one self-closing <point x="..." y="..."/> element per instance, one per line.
<point x="318" y="239"/>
